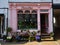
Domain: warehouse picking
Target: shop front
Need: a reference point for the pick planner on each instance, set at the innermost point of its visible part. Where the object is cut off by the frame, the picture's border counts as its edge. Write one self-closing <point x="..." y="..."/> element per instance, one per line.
<point x="31" y="16"/>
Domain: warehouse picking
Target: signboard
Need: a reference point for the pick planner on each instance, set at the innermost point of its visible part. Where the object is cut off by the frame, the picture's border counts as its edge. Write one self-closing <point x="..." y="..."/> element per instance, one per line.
<point x="30" y="0"/>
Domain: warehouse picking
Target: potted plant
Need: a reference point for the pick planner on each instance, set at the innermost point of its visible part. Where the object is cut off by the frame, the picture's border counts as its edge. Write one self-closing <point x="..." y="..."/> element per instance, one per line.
<point x="32" y="36"/>
<point x="9" y="29"/>
<point x="51" y="34"/>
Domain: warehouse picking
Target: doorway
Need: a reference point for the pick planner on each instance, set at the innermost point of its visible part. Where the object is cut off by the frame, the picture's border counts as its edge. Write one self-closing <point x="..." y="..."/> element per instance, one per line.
<point x="44" y="23"/>
<point x="57" y="23"/>
<point x="1" y="25"/>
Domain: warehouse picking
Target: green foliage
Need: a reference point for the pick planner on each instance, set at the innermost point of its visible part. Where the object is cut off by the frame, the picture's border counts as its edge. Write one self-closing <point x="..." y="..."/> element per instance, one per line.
<point x="26" y="25"/>
<point x="9" y="29"/>
<point x="34" y="33"/>
<point x="32" y="38"/>
<point x="51" y="34"/>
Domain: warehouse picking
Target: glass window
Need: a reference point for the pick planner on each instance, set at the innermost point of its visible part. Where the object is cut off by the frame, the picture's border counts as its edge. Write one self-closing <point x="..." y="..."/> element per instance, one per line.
<point x="44" y="10"/>
<point x="27" y="21"/>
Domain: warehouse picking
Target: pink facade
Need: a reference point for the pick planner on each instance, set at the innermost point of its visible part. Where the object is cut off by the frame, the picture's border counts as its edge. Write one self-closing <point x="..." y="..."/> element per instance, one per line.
<point x="14" y="7"/>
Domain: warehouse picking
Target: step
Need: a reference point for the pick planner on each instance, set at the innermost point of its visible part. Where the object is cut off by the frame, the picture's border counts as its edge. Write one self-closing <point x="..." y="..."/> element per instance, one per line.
<point x="51" y="38"/>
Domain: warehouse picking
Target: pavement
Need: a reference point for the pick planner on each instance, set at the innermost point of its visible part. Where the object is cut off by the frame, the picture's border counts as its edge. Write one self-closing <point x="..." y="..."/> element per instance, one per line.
<point x="37" y="43"/>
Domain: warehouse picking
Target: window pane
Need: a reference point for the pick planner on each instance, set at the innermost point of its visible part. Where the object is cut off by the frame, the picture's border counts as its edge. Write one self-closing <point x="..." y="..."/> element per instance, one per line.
<point x="27" y="21"/>
<point x="45" y="10"/>
<point x="20" y="20"/>
<point x="33" y="21"/>
<point x="27" y="17"/>
<point x="34" y="17"/>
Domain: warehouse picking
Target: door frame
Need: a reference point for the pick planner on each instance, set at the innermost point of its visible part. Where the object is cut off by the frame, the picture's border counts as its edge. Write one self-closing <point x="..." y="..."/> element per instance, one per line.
<point x="47" y="19"/>
<point x="2" y="24"/>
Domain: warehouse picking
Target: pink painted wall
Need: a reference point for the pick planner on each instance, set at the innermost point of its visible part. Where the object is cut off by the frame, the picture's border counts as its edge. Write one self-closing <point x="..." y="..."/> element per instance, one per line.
<point x="13" y="18"/>
<point x="13" y="7"/>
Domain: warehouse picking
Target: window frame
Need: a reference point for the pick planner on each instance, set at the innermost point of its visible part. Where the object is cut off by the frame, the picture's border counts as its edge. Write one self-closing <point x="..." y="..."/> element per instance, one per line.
<point x="24" y="21"/>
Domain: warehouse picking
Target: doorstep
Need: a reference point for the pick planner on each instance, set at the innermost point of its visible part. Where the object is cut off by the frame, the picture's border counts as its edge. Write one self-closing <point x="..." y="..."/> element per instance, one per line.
<point x="48" y="39"/>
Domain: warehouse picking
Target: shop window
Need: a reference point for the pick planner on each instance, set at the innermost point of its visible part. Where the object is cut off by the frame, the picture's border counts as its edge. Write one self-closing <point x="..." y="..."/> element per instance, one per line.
<point x="27" y="21"/>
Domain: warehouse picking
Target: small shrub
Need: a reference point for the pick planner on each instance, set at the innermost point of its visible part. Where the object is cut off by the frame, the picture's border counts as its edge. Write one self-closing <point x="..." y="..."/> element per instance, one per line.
<point x="51" y="34"/>
<point x="9" y="29"/>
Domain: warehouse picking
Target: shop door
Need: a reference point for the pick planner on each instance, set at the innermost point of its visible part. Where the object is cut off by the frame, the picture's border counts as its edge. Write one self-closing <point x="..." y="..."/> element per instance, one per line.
<point x="44" y="23"/>
<point x="1" y="27"/>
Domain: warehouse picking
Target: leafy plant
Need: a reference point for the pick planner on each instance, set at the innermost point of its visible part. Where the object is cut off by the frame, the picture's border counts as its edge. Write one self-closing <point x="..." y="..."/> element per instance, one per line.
<point x="9" y="29"/>
<point x="51" y="34"/>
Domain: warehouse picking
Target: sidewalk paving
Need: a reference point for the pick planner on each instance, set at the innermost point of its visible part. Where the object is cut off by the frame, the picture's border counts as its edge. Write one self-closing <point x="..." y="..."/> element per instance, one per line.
<point x="43" y="43"/>
<point x="58" y="41"/>
<point x="39" y="43"/>
<point x="49" y="43"/>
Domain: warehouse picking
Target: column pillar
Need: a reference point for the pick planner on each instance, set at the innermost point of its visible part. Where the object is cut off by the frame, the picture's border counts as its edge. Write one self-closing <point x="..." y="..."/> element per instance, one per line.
<point x="5" y="13"/>
<point x="5" y="19"/>
<point x="14" y="19"/>
<point x="9" y="17"/>
<point x="50" y="18"/>
<point x="38" y="19"/>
